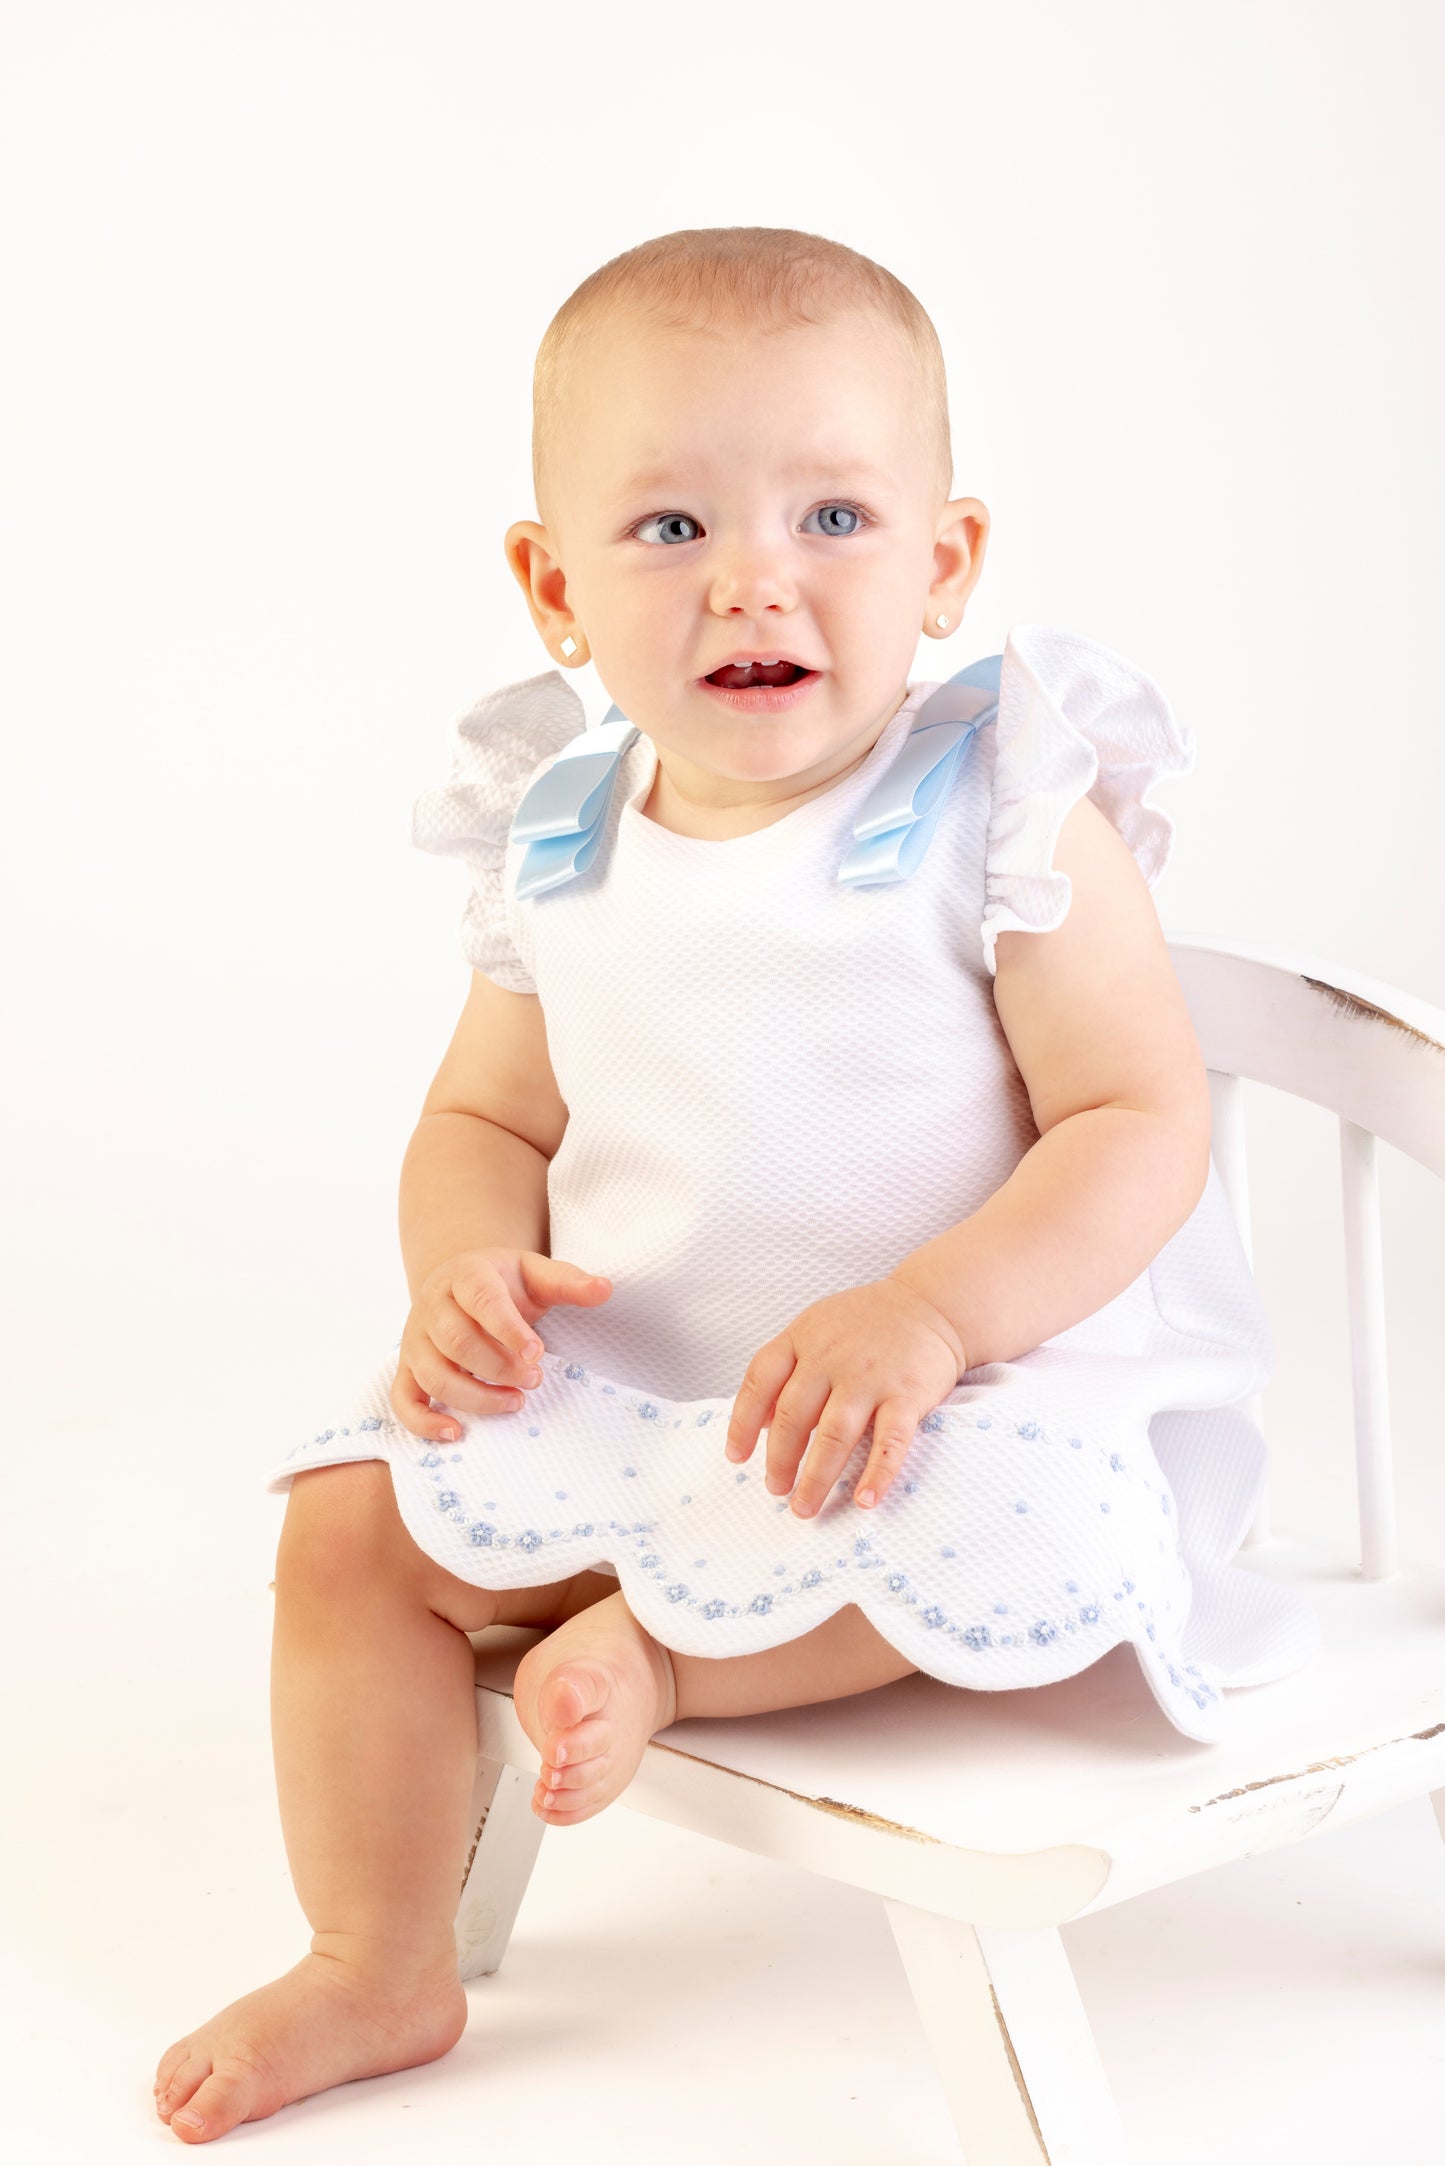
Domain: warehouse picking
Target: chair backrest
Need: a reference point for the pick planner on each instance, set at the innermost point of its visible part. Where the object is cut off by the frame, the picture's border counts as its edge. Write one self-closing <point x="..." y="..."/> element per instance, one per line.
<point x="1374" y="1057"/>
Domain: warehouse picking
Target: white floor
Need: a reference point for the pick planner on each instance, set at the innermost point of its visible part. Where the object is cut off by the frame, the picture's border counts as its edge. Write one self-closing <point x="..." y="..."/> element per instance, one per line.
<point x="663" y="1999"/>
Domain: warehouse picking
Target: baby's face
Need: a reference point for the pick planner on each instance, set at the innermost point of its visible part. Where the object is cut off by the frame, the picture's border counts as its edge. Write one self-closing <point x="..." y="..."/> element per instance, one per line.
<point x="733" y="493"/>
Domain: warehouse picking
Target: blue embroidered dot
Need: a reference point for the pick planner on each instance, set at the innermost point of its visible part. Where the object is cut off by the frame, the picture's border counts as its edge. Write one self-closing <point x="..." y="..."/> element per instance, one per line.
<point x="932" y="1421"/>
<point x="704" y="1418"/>
<point x="698" y="1563"/>
<point x="611" y="1390"/>
<point x="811" y="1578"/>
<point x="1029" y="1429"/>
<point x="346" y="1432"/>
<point x="575" y="1371"/>
<point x="583" y="1529"/>
<point x="1000" y="1609"/>
<point x="687" y="1500"/>
<point x="489" y="1504"/>
<point x="1021" y="1506"/>
<point x="534" y="1432"/>
<point x="984" y="1422"/>
<point x="945" y="1553"/>
<point x="372" y="1421"/>
<point x="648" y="1411"/>
<point x="909" y="1488"/>
<point x="1071" y="1586"/>
<point x="1077" y="1442"/>
<point x="1103" y="1507"/>
<point x="1116" y="1462"/>
<point x="561" y="1496"/>
<point x="740" y="1477"/>
<point x="1164" y="1504"/>
<point x="1150" y="1630"/>
<point x="1128" y="1586"/>
<point x="647" y="1563"/>
<point x="861" y="1545"/>
<point x="631" y="1472"/>
<point x="778" y="1570"/>
<point x="455" y="1457"/>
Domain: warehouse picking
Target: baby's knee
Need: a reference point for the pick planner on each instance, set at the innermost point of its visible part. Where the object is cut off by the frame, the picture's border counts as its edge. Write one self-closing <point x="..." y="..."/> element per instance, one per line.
<point x="341" y="1525"/>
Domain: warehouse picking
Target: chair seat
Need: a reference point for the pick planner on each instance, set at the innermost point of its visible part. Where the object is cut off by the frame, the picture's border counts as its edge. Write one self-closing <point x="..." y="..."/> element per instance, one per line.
<point x="1028" y="1808"/>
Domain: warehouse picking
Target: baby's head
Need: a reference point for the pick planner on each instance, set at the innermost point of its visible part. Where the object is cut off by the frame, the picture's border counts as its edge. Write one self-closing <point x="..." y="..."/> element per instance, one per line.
<point x="741" y="447"/>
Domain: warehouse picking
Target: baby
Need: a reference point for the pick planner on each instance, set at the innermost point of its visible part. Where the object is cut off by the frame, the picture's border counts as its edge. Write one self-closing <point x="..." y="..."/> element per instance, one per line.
<point x="852" y="1170"/>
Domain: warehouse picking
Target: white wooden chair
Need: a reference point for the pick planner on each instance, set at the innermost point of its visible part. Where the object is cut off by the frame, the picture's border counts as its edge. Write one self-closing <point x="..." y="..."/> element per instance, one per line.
<point x="987" y="1820"/>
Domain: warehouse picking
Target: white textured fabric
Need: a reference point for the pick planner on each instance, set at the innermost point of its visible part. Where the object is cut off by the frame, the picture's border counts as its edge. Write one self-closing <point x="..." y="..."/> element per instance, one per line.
<point x="779" y="1085"/>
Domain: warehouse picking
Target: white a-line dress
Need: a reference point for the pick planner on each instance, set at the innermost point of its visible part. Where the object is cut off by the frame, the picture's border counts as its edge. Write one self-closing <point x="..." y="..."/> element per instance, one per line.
<point x="778" y="1084"/>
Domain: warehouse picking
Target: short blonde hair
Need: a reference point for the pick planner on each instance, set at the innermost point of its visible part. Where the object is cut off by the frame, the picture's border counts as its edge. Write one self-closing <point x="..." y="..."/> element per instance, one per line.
<point x="759" y="276"/>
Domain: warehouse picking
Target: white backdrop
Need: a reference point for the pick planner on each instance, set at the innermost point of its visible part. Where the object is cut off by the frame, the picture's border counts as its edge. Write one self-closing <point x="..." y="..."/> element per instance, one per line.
<point x="274" y="276"/>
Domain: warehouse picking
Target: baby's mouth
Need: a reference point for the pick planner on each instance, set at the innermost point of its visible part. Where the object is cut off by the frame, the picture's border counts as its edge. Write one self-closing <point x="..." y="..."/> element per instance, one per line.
<point x="737" y="677"/>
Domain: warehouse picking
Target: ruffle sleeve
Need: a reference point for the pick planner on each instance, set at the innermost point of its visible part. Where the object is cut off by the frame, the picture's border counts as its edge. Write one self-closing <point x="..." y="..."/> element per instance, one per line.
<point x="497" y="747"/>
<point x="1074" y="719"/>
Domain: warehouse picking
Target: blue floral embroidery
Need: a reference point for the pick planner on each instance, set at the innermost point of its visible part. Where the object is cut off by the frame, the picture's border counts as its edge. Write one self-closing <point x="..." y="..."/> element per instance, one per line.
<point x="984" y="1422"/>
<point x="1029" y="1429"/>
<point x="932" y="1421"/>
<point x="1020" y="1506"/>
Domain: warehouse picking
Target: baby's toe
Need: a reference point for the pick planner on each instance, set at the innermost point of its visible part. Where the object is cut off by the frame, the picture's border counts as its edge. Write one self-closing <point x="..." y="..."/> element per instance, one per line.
<point x="570" y="1748"/>
<point x="180" y="2071"/>
<point x="227" y="2095"/>
<point x="571" y="1693"/>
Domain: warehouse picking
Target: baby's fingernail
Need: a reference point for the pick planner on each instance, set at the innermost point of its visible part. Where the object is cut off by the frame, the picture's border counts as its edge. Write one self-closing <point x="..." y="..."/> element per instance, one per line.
<point x="866" y="1496"/>
<point x="449" y="1436"/>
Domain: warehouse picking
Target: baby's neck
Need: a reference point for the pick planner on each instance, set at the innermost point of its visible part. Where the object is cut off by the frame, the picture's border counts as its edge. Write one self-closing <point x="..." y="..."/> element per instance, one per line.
<point x="668" y="806"/>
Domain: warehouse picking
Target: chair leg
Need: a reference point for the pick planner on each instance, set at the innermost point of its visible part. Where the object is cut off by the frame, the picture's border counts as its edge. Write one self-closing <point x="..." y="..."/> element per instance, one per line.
<point x="1011" y="2042"/>
<point x="508" y="1837"/>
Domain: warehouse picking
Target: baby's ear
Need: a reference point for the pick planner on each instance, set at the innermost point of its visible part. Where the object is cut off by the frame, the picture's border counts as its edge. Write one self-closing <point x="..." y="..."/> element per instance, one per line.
<point x="544" y="585"/>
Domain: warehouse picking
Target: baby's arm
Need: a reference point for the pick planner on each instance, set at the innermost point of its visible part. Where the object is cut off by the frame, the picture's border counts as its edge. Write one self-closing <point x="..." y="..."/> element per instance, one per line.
<point x="1098" y="1024"/>
<point x="474" y="1220"/>
<point x="475" y="1170"/>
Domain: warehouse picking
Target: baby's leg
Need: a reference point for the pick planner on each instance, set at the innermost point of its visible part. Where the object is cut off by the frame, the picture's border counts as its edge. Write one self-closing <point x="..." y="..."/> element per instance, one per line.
<point x="592" y="1694"/>
<point x="375" y="1737"/>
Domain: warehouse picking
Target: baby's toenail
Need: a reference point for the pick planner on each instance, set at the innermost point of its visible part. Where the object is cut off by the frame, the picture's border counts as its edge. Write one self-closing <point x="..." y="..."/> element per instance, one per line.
<point x="192" y="2120"/>
<point x="561" y="1755"/>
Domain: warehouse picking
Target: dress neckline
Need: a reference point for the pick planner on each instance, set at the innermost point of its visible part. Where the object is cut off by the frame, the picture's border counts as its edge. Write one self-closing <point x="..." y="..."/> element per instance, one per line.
<point x="760" y="840"/>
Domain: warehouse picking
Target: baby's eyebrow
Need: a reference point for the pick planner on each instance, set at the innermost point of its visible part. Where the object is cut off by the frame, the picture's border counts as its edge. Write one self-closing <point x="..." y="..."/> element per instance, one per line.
<point x="847" y="467"/>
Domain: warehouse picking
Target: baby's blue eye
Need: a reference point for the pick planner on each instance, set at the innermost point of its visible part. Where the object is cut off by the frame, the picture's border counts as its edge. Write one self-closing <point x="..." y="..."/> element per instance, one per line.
<point x="849" y="511"/>
<point x="667" y="519"/>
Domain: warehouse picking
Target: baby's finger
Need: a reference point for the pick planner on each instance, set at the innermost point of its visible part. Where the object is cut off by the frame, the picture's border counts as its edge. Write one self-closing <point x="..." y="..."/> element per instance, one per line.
<point x="840" y="1424"/>
<point x="411" y="1396"/>
<point x="482" y="1298"/>
<point x="455" y="1335"/>
<point x="767" y="1372"/>
<point x="800" y="1405"/>
<point x="894" y="1427"/>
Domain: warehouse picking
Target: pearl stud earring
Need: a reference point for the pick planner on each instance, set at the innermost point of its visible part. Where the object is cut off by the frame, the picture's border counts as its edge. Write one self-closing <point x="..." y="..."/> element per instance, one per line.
<point x="940" y="620"/>
<point x="569" y="645"/>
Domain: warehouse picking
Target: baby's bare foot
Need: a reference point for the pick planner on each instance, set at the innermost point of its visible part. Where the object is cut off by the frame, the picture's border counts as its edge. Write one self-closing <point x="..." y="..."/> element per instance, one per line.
<point x="590" y="1696"/>
<point x="325" y="2021"/>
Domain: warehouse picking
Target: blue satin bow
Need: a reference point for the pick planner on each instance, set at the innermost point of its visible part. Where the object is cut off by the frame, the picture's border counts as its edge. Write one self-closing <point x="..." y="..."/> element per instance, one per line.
<point x="562" y="815"/>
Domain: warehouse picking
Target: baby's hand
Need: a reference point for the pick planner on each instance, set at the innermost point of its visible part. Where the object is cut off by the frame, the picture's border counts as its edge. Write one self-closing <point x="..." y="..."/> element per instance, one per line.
<point x="471" y="1321"/>
<point x="877" y="1353"/>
